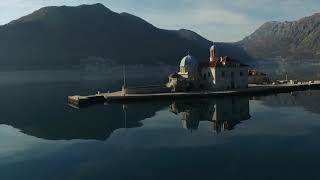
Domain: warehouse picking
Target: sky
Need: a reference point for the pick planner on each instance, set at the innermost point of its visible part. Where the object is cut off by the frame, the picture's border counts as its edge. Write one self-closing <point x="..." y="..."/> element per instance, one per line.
<point x="216" y="20"/>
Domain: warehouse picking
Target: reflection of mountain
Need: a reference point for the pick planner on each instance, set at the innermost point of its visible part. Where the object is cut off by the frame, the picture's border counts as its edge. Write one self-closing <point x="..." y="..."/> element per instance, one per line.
<point x="93" y="123"/>
<point x="99" y="122"/>
<point x="224" y="113"/>
<point x="40" y="110"/>
<point x="309" y="100"/>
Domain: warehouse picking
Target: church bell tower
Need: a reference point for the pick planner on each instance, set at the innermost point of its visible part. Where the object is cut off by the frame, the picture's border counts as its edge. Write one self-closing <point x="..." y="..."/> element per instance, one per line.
<point x="213" y="53"/>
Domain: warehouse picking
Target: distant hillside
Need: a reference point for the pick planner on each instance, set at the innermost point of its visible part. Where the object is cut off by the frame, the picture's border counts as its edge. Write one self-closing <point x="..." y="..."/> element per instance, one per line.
<point x="235" y="51"/>
<point x="297" y="39"/>
<point x="65" y="35"/>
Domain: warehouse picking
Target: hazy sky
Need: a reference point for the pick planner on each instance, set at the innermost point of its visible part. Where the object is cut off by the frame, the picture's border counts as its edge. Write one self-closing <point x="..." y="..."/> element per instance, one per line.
<point x="217" y="20"/>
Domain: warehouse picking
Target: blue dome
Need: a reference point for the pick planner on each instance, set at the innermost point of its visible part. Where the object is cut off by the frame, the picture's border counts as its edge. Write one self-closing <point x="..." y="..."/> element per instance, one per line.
<point x="189" y="61"/>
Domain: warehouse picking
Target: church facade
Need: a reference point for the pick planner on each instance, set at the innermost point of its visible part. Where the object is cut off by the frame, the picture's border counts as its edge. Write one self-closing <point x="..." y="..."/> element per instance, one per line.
<point x="219" y="73"/>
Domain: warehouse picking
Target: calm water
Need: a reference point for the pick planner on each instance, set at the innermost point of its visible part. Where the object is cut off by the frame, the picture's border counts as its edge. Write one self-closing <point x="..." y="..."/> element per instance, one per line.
<point x="41" y="137"/>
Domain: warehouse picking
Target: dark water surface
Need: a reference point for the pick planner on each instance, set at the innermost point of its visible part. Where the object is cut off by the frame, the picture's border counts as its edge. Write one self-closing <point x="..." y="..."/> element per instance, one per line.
<point x="42" y="138"/>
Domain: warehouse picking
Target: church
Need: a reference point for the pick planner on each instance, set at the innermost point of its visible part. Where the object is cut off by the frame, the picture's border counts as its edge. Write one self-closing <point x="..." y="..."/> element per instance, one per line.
<point x="218" y="73"/>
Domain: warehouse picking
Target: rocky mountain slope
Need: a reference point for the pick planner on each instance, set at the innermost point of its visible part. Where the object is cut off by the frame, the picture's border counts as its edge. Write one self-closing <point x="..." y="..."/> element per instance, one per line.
<point x="66" y="35"/>
<point x="297" y="39"/>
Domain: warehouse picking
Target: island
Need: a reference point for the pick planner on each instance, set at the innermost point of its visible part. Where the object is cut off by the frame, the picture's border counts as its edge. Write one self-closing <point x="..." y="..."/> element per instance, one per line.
<point x="220" y="76"/>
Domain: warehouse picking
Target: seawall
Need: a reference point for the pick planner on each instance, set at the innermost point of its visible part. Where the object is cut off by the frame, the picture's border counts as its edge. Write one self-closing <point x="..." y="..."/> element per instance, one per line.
<point x="150" y="94"/>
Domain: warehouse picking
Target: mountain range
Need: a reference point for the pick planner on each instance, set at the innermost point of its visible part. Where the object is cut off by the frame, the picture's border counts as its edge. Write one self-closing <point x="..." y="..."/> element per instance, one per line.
<point x="297" y="39"/>
<point x="66" y="35"/>
<point x="62" y="35"/>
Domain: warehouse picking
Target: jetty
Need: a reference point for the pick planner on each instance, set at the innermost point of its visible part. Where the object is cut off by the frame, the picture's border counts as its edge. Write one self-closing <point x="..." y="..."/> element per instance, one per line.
<point x="252" y="90"/>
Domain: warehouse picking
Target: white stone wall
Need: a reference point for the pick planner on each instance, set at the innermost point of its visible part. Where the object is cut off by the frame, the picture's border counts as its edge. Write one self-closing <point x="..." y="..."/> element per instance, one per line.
<point x="184" y="75"/>
<point x="221" y="78"/>
<point x="208" y="77"/>
<point x="224" y="77"/>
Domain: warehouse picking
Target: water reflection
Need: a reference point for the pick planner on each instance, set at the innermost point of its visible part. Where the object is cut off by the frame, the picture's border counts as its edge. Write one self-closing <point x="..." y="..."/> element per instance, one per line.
<point x="276" y="142"/>
<point x="224" y="113"/>
<point x="100" y="122"/>
<point x="309" y="100"/>
<point x="95" y="123"/>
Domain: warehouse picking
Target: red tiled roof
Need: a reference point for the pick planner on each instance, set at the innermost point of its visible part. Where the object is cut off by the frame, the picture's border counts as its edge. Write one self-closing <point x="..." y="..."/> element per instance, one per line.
<point x="222" y="62"/>
<point x="174" y="75"/>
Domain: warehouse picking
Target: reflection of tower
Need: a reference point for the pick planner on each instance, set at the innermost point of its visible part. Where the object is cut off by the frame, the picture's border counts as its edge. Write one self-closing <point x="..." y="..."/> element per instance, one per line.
<point x="225" y="113"/>
<point x="230" y="112"/>
<point x="125" y="107"/>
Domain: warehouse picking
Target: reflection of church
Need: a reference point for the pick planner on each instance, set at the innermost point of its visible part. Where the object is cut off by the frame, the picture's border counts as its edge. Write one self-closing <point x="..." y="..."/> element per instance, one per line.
<point x="224" y="113"/>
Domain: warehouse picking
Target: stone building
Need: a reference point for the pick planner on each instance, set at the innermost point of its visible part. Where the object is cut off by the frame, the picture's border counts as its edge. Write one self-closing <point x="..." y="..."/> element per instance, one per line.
<point x="256" y="77"/>
<point x="219" y="73"/>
